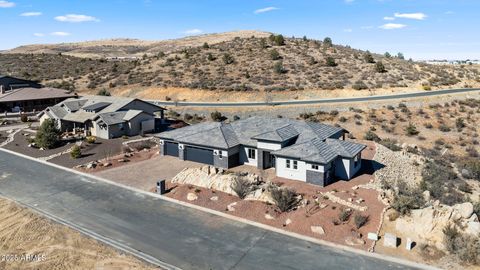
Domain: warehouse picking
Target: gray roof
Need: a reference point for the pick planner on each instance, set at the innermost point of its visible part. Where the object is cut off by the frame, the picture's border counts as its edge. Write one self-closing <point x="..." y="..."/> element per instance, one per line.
<point x="278" y="135"/>
<point x="28" y="93"/>
<point x="312" y="143"/>
<point x="345" y="148"/>
<point x="113" y="118"/>
<point x="90" y="107"/>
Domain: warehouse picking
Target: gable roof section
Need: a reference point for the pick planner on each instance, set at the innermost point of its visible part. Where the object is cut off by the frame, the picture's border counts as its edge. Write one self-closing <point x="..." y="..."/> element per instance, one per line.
<point x="279" y="135"/>
<point x="315" y="151"/>
<point x="345" y="148"/>
<point x="29" y="93"/>
<point x="96" y="106"/>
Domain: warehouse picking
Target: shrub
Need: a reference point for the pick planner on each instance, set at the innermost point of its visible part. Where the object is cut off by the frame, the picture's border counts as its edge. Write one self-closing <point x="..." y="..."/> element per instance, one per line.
<point x="104" y="92"/>
<point x="411" y="130"/>
<point x="391" y="144"/>
<point x="76" y="152"/>
<point x="380" y="67"/>
<point x="360" y="220"/>
<point x="47" y="135"/>
<point x="278" y="40"/>
<point x="359" y="85"/>
<point x="344" y="215"/>
<point x="91" y="139"/>
<point x="450" y="234"/>
<point x="23" y="118"/>
<point x="217" y="116"/>
<point x="444" y="128"/>
<point x="285" y="199"/>
<point x="404" y="203"/>
<point x="371" y="136"/>
<point x="368" y="58"/>
<point x="327" y="42"/>
<point x="278" y="68"/>
<point x="228" y="59"/>
<point x="330" y="62"/>
<point x="275" y="55"/>
<point x="427" y="87"/>
<point x="460" y="123"/>
<point x="241" y="186"/>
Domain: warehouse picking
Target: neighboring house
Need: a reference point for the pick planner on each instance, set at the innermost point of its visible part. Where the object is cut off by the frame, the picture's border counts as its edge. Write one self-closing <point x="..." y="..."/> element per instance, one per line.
<point x="31" y="99"/>
<point x="306" y="151"/>
<point x="10" y="83"/>
<point x="104" y="117"/>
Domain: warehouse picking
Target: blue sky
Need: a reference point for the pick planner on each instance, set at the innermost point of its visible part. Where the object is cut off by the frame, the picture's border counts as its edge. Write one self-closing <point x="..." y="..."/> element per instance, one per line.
<point x="421" y="29"/>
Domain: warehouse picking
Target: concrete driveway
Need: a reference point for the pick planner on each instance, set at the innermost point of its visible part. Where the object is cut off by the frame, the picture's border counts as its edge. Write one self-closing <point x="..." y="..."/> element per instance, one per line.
<point x="145" y="174"/>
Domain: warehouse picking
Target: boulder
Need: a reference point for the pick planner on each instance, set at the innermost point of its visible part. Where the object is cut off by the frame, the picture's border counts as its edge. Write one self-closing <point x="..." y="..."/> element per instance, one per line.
<point x="107" y="164"/>
<point x="287" y="222"/>
<point x="91" y="165"/>
<point x="269" y="217"/>
<point x="230" y="207"/>
<point x="192" y="196"/>
<point x="464" y="209"/>
<point x="317" y="229"/>
<point x="473" y="227"/>
<point x="214" y="198"/>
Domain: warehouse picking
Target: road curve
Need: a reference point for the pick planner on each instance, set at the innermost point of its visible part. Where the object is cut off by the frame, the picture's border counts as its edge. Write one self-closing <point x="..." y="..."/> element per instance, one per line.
<point x="173" y="235"/>
<point x="316" y="101"/>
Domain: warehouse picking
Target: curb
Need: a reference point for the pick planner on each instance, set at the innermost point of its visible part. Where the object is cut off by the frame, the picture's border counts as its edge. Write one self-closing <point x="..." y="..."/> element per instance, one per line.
<point x="234" y="218"/>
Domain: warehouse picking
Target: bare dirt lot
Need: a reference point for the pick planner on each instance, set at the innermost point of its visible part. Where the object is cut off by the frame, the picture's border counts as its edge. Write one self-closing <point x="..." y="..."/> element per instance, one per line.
<point x="23" y="232"/>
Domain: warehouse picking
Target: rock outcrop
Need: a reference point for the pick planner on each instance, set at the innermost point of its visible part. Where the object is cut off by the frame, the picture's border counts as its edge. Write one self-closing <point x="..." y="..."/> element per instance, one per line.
<point x="426" y="225"/>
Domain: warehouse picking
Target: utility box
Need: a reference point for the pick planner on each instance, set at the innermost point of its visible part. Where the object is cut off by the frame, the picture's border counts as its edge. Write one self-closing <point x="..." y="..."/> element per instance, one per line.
<point x="161" y="189"/>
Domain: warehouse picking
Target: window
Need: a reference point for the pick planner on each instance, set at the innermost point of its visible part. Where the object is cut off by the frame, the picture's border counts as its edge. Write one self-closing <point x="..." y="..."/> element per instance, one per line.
<point x="251" y="153"/>
<point x="315" y="167"/>
<point x="288" y="163"/>
<point x="295" y="164"/>
<point x="220" y="154"/>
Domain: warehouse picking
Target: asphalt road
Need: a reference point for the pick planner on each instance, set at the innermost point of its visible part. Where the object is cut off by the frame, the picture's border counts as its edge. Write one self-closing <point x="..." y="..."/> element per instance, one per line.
<point x="174" y="234"/>
<point x="316" y="101"/>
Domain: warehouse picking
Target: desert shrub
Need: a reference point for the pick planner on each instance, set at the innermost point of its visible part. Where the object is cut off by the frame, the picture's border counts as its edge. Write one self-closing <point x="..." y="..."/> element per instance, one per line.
<point x="285" y="199"/>
<point x="411" y="130"/>
<point x="368" y="58"/>
<point x="466" y="247"/>
<point x="217" y="116"/>
<point x="439" y="178"/>
<point x="473" y="168"/>
<point x="278" y="68"/>
<point x="391" y="144"/>
<point x="228" y="59"/>
<point x="426" y="87"/>
<point x="344" y="215"/>
<point x="359" y="85"/>
<point x="406" y="199"/>
<point x="450" y="234"/>
<point x="103" y="92"/>
<point x="342" y="119"/>
<point x="327" y="42"/>
<point x="330" y="62"/>
<point x="76" y="152"/>
<point x="91" y="139"/>
<point x="47" y="135"/>
<point x="360" y="220"/>
<point x="380" y="67"/>
<point x="444" y="128"/>
<point x="278" y="40"/>
<point x="275" y="55"/>
<point x="24" y="118"/>
<point x="241" y="186"/>
<point x="460" y="123"/>
<point x="372" y="136"/>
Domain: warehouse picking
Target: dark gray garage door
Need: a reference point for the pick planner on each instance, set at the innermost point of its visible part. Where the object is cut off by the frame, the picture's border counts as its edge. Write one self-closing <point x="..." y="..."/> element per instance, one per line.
<point x="171" y="149"/>
<point x="199" y="155"/>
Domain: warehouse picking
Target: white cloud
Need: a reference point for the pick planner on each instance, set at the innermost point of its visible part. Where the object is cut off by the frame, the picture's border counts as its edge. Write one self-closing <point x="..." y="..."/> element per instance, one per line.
<point x="76" y="18"/>
<point x="390" y="26"/>
<point x="39" y="34"/>
<point x="60" y="34"/>
<point x="6" y="4"/>
<point x="31" y="14"/>
<point x="387" y="18"/>
<point x="193" y="31"/>
<point x="413" y="16"/>
<point x="348" y="30"/>
<point x="263" y="10"/>
<point x="366" y="27"/>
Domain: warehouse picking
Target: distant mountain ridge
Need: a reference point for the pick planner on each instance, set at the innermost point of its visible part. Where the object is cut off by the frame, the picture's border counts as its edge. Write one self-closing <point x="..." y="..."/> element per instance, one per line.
<point x="126" y="47"/>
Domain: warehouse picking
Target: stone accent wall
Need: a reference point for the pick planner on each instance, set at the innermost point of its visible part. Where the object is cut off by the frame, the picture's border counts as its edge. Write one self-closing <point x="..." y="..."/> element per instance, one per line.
<point x="316" y="178"/>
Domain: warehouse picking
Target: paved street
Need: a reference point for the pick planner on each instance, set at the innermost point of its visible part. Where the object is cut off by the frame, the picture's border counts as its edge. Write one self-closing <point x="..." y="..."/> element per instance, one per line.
<point x="177" y="235"/>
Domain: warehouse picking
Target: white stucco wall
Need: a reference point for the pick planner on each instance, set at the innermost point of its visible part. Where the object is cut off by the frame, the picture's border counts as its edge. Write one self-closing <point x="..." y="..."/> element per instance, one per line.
<point x="290" y="173"/>
<point x="244" y="156"/>
<point x="269" y="146"/>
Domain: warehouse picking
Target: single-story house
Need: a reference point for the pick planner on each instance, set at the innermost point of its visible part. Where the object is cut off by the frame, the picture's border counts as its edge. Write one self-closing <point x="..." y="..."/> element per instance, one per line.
<point x="31" y="99"/>
<point x="11" y="83"/>
<point x="104" y="117"/>
<point x="306" y="151"/>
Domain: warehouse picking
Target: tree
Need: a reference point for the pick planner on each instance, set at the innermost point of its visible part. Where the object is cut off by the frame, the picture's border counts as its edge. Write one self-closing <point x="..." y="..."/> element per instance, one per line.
<point x="228" y="59"/>
<point x="331" y="62"/>
<point x="48" y="135"/>
<point x="400" y="56"/>
<point x="278" y="68"/>
<point x="275" y="55"/>
<point x="263" y="43"/>
<point x="104" y="92"/>
<point x="206" y="46"/>
<point x="305" y="38"/>
<point x="388" y="55"/>
<point x="380" y="68"/>
<point x="369" y="58"/>
<point x="210" y="57"/>
<point x="217" y="116"/>
<point x="327" y="42"/>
